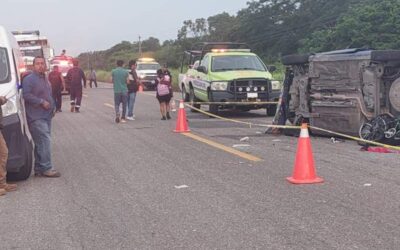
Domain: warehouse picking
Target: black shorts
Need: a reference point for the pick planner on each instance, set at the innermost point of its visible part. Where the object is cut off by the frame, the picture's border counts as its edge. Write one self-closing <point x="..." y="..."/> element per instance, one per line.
<point x="164" y="98"/>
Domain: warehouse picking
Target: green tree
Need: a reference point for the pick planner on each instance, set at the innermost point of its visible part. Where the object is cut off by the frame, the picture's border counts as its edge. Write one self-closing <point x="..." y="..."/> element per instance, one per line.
<point x="374" y="24"/>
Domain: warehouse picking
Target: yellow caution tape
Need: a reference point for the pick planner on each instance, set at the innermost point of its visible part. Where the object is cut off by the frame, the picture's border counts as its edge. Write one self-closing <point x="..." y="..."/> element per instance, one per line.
<point x="250" y="124"/>
<point x="231" y="103"/>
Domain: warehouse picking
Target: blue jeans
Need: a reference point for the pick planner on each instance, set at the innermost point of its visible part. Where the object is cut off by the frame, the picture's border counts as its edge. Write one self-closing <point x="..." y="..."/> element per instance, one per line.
<point x="131" y="103"/>
<point x="41" y="134"/>
<point x="118" y="99"/>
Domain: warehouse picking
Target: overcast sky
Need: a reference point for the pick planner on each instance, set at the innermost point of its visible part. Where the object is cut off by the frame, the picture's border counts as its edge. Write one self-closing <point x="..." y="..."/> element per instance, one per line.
<point x="86" y="25"/>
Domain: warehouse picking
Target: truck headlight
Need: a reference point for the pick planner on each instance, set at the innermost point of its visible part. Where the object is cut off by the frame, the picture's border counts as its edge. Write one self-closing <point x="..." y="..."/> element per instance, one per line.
<point x="10" y="107"/>
<point x="276" y="85"/>
<point x="219" y="85"/>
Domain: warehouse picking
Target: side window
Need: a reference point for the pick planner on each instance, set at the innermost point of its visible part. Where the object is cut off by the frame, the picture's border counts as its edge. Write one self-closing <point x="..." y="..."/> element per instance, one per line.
<point x="15" y="68"/>
<point x="204" y="61"/>
<point x="4" y="66"/>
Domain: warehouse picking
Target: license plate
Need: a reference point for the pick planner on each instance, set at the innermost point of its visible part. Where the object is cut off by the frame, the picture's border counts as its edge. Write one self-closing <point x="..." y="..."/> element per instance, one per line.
<point x="252" y="95"/>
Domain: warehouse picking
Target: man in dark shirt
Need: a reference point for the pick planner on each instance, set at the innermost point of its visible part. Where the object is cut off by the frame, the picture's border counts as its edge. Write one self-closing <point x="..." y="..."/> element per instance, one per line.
<point x="76" y="78"/>
<point x="57" y="85"/>
<point x="133" y="87"/>
<point x="4" y="186"/>
<point x="39" y="106"/>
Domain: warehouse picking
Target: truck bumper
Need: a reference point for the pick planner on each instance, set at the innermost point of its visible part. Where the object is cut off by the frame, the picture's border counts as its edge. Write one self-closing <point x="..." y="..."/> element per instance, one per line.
<point x="15" y="140"/>
<point x="223" y="96"/>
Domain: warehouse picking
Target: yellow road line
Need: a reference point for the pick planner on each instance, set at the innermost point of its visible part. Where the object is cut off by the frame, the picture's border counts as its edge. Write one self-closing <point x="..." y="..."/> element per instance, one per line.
<point x="223" y="147"/>
<point x="108" y="105"/>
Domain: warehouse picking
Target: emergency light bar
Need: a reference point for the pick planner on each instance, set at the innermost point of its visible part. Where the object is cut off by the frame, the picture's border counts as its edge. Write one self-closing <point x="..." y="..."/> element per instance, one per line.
<point x="146" y="59"/>
<point x="229" y="50"/>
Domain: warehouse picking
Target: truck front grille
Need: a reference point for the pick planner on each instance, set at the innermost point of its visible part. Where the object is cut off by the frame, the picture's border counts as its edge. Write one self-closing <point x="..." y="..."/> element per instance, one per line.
<point x="250" y="85"/>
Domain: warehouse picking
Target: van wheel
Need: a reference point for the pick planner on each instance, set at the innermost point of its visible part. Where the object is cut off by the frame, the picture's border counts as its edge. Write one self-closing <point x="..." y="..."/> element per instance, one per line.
<point x="192" y="99"/>
<point x="26" y="170"/>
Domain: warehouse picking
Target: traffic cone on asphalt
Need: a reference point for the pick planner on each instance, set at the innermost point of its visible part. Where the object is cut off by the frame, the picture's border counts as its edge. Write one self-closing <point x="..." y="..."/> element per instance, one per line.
<point x="181" y="122"/>
<point x="304" y="170"/>
<point x="140" y="88"/>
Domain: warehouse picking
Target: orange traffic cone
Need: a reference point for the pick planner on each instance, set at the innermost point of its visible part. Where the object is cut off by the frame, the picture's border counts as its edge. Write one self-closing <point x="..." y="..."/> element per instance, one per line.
<point x="304" y="170"/>
<point x="181" y="122"/>
<point x="140" y="88"/>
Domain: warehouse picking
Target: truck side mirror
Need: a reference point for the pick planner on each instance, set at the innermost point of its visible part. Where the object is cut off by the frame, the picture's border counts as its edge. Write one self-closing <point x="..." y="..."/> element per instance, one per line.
<point x="271" y="68"/>
<point x="202" y="69"/>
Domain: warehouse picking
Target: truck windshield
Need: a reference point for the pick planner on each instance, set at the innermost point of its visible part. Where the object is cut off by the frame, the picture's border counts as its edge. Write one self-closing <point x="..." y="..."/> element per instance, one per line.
<point x="4" y="66"/>
<point x="236" y="62"/>
<point x="32" y="52"/>
<point x="147" y="66"/>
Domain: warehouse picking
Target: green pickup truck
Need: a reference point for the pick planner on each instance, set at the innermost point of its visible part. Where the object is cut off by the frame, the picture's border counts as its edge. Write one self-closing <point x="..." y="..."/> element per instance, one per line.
<point x="229" y="75"/>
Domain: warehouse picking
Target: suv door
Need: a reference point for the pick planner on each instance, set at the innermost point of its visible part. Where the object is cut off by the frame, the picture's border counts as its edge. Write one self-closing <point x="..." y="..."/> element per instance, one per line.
<point x="201" y="79"/>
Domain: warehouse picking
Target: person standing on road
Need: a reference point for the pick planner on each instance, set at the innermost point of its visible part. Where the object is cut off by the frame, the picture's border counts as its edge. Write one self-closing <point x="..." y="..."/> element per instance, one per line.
<point x="57" y="85"/>
<point x="76" y="79"/>
<point x="92" y="77"/>
<point x="171" y="104"/>
<point x="163" y="93"/>
<point x="39" y="112"/>
<point x="4" y="186"/>
<point x="133" y="87"/>
<point x="120" y="79"/>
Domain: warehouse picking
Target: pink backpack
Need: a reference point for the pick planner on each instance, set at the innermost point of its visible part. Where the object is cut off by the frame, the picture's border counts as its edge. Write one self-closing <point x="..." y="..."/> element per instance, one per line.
<point x="163" y="86"/>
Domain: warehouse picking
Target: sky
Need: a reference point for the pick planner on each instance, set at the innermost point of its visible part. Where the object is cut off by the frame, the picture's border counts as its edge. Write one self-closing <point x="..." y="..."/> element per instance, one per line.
<point x="88" y="25"/>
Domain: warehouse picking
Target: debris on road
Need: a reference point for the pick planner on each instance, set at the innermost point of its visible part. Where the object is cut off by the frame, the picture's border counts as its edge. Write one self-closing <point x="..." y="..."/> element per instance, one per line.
<point x="367" y="185"/>
<point x="379" y="150"/>
<point x="240" y="145"/>
<point x="336" y="140"/>
<point x="245" y="139"/>
<point x="181" y="186"/>
<point x="276" y="140"/>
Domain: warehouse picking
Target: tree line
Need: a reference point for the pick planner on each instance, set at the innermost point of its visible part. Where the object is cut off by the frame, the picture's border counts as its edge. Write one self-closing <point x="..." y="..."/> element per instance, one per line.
<point x="273" y="28"/>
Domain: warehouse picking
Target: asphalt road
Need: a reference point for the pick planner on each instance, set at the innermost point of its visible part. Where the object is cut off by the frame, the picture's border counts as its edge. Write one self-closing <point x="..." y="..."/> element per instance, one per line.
<point x="140" y="186"/>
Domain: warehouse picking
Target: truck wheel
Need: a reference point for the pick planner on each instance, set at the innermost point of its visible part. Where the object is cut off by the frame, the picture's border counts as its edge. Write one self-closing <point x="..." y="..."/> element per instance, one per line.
<point x="213" y="109"/>
<point x="271" y="110"/>
<point x="26" y="170"/>
<point x="185" y="96"/>
<point x="192" y="99"/>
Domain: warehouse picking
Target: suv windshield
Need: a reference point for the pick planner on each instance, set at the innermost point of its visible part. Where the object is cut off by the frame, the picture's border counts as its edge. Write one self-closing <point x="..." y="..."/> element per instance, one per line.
<point x="32" y="52"/>
<point x="4" y="66"/>
<point x="236" y="62"/>
<point x="147" y="66"/>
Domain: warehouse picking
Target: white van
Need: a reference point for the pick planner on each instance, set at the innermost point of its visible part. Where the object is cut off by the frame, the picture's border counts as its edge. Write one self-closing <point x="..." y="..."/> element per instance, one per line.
<point x="15" y="131"/>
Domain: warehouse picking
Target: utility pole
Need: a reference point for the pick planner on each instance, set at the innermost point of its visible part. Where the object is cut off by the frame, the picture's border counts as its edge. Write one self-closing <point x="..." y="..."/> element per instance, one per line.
<point x="140" y="47"/>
